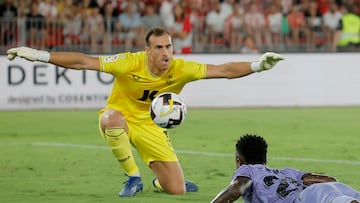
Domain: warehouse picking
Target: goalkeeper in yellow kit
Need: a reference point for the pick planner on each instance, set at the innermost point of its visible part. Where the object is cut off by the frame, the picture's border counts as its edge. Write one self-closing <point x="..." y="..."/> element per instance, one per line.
<point x="139" y="78"/>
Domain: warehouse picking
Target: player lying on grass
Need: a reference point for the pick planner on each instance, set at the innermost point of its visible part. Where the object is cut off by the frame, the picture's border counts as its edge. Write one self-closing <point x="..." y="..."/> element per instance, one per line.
<point x="256" y="183"/>
<point x="139" y="78"/>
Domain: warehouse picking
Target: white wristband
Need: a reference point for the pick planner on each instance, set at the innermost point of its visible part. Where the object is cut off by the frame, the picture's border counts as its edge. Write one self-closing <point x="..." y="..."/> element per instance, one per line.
<point x="255" y="66"/>
<point x="43" y="56"/>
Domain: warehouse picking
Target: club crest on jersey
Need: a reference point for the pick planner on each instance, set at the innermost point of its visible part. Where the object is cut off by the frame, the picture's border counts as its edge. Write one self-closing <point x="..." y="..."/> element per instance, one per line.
<point x="136" y="78"/>
<point x="113" y="58"/>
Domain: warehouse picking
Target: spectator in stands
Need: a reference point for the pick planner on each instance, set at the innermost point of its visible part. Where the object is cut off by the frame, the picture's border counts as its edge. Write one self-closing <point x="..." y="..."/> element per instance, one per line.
<point x="95" y="25"/>
<point x="274" y="19"/>
<point x="22" y="10"/>
<point x="101" y="3"/>
<point x="155" y="3"/>
<point x="331" y="20"/>
<point x="131" y="27"/>
<point x="227" y="7"/>
<point x="197" y="13"/>
<point x="315" y="25"/>
<point x="255" y="24"/>
<point x="323" y="6"/>
<point x="151" y="18"/>
<point x="215" y="23"/>
<point x="348" y="31"/>
<point x="356" y="8"/>
<point x="285" y="6"/>
<point x="236" y="26"/>
<point x="64" y="8"/>
<point x="48" y="9"/>
<point x="74" y="29"/>
<point x="165" y="11"/>
<point x="249" y="46"/>
<point x="111" y="32"/>
<point x="8" y="12"/>
<point x="138" y="5"/>
<point x="297" y="24"/>
<point x="36" y="26"/>
<point x="285" y="31"/>
<point x="181" y="31"/>
<point x="85" y="5"/>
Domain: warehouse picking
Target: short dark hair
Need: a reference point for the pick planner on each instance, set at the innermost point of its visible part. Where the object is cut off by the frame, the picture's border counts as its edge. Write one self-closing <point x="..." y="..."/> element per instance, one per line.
<point x="156" y="31"/>
<point x="253" y="148"/>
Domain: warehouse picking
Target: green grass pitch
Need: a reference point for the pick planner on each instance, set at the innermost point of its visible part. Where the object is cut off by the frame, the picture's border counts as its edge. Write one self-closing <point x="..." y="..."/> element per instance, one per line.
<point x="58" y="156"/>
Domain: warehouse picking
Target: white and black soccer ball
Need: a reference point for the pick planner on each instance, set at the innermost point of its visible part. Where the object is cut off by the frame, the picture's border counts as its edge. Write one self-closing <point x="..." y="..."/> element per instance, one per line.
<point x="168" y="110"/>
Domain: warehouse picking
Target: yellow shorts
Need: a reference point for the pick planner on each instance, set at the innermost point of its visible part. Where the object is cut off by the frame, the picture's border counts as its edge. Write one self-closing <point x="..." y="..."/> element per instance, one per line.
<point x="151" y="142"/>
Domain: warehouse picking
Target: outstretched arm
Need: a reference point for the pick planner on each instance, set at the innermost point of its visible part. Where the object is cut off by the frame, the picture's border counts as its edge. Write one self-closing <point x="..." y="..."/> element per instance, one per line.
<point x="309" y="179"/>
<point x="240" y="69"/>
<point x="71" y="60"/>
<point x="75" y="60"/>
<point x="233" y="191"/>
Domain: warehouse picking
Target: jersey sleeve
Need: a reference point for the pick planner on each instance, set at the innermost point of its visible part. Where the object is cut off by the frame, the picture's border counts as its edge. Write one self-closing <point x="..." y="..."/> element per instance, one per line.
<point x="244" y="171"/>
<point x="116" y="64"/>
<point x="194" y="71"/>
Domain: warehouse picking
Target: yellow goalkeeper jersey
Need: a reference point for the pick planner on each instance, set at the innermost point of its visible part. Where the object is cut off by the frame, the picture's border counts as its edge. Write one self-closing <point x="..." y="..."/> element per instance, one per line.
<point x="135" y="86"/>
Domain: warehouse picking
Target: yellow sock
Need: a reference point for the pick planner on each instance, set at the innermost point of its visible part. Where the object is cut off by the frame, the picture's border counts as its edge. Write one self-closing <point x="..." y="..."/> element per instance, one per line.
<point x="120" y="146"/>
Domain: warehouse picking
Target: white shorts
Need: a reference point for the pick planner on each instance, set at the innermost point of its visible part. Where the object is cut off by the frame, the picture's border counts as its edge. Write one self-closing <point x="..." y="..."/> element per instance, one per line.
<point x="334" y="192"/>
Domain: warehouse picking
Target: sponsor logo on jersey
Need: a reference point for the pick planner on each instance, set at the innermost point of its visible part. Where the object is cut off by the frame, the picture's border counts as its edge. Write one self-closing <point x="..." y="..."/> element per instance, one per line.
<point x="170" y="80"/>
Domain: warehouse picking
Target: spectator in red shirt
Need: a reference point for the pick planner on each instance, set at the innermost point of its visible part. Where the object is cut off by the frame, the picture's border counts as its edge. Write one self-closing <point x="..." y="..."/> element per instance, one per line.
<point x="297" y="24"/>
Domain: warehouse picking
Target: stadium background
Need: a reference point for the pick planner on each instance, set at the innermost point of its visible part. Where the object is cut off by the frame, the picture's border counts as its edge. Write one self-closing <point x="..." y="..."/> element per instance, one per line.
<point x="307" y="108"/>
<point x="202" y="26"/>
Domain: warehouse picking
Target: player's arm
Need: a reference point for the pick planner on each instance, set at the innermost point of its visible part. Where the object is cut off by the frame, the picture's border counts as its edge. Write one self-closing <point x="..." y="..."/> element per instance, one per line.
<point x="74" y="60"/>
<point x="71" y="60"/>
<point x="240" y="69"/>
<point x="233" y="191"/>
<point x="310" y="178"/>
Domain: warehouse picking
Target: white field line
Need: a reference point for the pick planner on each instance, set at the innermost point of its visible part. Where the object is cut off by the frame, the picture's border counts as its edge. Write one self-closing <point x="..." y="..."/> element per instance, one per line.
<point x="50" y="144"/>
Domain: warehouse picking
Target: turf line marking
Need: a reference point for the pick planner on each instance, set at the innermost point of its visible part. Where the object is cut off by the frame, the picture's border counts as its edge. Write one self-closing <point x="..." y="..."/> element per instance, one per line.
<point x="203" y="153"/>
<point x="273" y="158"/>
<point x="51" y="144"/>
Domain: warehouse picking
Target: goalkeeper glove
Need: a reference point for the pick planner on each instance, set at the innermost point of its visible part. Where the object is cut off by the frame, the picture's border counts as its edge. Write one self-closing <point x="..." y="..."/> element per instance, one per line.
<point x="266" y="62"/>
<point x="28" y="54"/>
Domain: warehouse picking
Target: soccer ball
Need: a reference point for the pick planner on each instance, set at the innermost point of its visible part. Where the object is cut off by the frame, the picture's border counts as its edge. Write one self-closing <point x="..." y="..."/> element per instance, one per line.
<point x="168" y="110"/>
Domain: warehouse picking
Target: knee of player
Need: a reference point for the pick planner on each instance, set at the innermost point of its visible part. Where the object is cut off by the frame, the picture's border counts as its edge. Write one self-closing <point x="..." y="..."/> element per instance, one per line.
<point x="177" y="190"/>
<point x="112" y="119"/>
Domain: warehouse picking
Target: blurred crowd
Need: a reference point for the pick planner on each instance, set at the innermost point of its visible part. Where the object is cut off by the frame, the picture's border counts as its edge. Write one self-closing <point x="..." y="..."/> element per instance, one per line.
<point x="197" y="26"/>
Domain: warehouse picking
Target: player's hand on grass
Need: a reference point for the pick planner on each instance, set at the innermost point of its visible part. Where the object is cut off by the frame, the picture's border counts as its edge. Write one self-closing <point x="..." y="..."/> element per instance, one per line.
<point x="28" y="54"/>
<point x="266" y="62"/>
